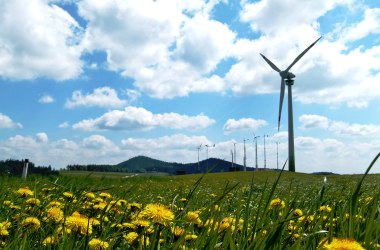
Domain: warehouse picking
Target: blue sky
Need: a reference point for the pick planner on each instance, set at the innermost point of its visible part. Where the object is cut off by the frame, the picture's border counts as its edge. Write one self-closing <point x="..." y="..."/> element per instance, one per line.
<point x="93" y="82"/>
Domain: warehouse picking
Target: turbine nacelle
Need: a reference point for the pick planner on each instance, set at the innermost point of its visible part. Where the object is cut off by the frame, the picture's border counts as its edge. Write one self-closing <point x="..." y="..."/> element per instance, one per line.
<point x="287" y="75"/>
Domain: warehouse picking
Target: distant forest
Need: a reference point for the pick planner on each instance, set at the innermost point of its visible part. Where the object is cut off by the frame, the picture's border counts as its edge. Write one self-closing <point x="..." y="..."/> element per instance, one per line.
<point x="97" y="168"/>
<point x="14" y="168"/>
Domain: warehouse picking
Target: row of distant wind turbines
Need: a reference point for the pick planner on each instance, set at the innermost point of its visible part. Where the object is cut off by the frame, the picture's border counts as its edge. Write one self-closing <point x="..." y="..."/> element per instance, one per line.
<point x="287" y="78"/>
<point x="233" y="152"/>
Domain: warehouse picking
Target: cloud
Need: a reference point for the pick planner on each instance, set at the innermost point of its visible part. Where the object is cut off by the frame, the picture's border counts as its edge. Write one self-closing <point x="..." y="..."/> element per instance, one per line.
<point x="159" y="44"/>
<point x="342" y="128"/>
<point x="172" y="142"/>
<point x="64" y="125"/>
<point x="6" y="122"/>
<point x="42" y="137"/>
<point x="101" y="97"/>
<point x="313" y="121"/>
<point x="233" y="125"/>
<point x="134" y="118"/>
<point x="43" y="43"/>
<point x="46" y="99"/>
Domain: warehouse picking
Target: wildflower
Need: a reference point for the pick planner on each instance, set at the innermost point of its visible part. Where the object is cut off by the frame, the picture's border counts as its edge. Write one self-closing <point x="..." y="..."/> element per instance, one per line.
<point x="183" y="200"/>
<point x="47" y="190"/>
<point x="89" y="195"/>
<point x="33" y="202"/>
<point x="141" y="223"/>
<point x="157" y="213"/>
<point x="191" y="237"/>
<point x="131" y="237"/>
<point x="193" y="217"/>
<point x="78" y="222"/>
<point x="50" y="240"/>
<point x="297" y="212"/>
<point x="339" y="244"/>
<point x="97" y="244"/>
<point x="7" y="203"/>
<point x="325" y="209"/>
<point x="227" y="222"/>
<point x="178" y="232"/>
<point x="55" y="204"/>
<point x="276" y="203"/>
<point x="31" y="222"/>
<point x="25" y="191"/>
<point x="69" y="195"/>
<point x="134" y="206"/>
<point x="105" y="195"/>
<point x="212" y="195"/>
<point x="129" y="225"/>
<point x="55" y="214"/>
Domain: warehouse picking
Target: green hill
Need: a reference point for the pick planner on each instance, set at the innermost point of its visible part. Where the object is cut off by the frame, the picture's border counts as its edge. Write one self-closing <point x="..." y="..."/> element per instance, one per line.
<point x="146" y="164"/>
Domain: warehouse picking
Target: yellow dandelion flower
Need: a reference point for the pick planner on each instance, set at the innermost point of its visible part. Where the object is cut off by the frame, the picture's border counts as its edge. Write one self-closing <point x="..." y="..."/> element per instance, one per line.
<point x="212" y="195"/>
<point x="60" y="230"/>
<point x="105" y="195"/>
<point x="141" y="223"/>
<point x="191" y="237"/>
<point x="325" y="209"/>
<point x="79" y="223"/>
<point x="277" y="203"/>
<point x="33" y="202"/>
<point x="131" y="237"/>
<point x="129" y="225"/>
<point x="47" y="190"/>
<point x="121" y="203"/>
<point x="50" y="240"/>
<point x="134" y="206"/>
<point x="15" y="207"/>
<point x="368" y="199"/>
<point x="89" y="195"/>
<point x="25" y="191"/>
<point x="55" y="204"/>
<point x="31" y="222"/>
<point x="178" y="231"/>
<point x="54" y="213"/>
<point x="297" y="212"/>
<point x="68" y="195"/>
<point x="183" y="199"/>
<point x="340" y="244"/>
<point x="97" y="244"/>
<point x="157" y="213"/>
<point x="7" y="203"/>
<point x="193" y="217"/>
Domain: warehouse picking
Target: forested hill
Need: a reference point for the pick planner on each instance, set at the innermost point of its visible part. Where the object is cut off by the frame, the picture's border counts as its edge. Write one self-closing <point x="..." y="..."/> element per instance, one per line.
<point x="14" y="167"/>
<point x="142" y="164"/>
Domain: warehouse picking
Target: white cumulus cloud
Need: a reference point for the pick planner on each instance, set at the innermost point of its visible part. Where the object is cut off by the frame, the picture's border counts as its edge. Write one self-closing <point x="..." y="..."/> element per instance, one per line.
<point x="6" y="122"/>
<point x="46" y="99"/>
<point x="313" y="121"/>
<point x="135" y="118"/>
<point x="232" y="125"/>
<point x="38" y="39"/>
<point x="101" y="97"/>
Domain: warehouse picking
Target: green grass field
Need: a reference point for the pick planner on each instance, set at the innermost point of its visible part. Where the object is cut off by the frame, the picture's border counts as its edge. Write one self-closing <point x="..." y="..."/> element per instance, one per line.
<point x="238" y="210"/>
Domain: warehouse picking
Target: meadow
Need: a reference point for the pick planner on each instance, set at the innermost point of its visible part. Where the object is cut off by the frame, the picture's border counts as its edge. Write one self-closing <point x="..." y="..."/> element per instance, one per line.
<point x="236" y="210"/>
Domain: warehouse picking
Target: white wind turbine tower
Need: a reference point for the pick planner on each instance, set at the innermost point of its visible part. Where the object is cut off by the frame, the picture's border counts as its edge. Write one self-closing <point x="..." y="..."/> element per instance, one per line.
<point x="287" y="78"/>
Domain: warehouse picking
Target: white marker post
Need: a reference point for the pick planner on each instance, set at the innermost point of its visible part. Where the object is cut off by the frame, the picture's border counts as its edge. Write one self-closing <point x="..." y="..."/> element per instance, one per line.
<point x="25" y="169"/>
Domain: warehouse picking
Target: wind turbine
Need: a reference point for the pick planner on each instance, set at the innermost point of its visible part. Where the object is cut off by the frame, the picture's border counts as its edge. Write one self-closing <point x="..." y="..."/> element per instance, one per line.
<point x="287" y="78"/>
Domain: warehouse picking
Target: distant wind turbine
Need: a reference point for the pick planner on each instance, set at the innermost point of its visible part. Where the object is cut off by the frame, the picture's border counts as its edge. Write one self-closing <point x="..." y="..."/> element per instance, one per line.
<point x="287" y="78"/>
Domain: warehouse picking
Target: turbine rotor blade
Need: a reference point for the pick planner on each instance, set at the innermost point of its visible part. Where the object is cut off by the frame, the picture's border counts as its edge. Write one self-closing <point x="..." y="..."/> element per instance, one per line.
<point x="282" y="93"/>
<point x="272" y="65"/>
<point x="302" y="54"/>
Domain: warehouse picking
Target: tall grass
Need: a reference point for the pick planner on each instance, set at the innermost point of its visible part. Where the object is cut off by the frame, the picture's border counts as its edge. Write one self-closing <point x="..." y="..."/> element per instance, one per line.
<point x="242" y="210"/>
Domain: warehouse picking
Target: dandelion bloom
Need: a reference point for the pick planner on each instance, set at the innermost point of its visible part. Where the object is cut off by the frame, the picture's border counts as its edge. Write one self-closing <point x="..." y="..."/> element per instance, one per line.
<point x="297" y="212"/>
<point x="105" y="195"/>
<point x="340" y="244"/>
<point x="4" y="228"/>
<point x="276" y="203"/>
<point x="193" y="217"/>
<point x="178" y="231"/>
<point x="325" y="209"/>
<point x="25" y="191"/>
<point x="33" y="202"/>
<point x="131" y="237"/>
<point x="97" y="244"/>
<point x="69" y="195"/>
<point x="157" y="213"/>
<point x="54" y="213"/>
<point x="50" y="240"/>
<point x="31" y="222"/>
<point x="78" y="222"/>
<point x="191" y="237"/>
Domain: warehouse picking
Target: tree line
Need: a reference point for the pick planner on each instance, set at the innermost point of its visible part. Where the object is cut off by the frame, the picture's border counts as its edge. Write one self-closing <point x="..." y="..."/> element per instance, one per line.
<point x="14" y="168"/>
<point x="97" y="168"/>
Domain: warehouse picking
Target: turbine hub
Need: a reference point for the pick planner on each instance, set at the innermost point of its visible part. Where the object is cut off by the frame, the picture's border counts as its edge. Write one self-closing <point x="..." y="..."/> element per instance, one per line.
<point x="287" y="75"/>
